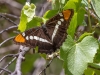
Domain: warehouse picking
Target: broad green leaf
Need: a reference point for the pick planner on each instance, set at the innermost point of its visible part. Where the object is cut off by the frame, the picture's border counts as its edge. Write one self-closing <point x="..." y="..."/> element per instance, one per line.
<point x="62" y="54"/>
<point x="80" y="15"/>
<point x="73" y="25"/>
<point x="64" y="47"/>
<point x="70" y="5"/>
<point x="76" y="20"/>
<point x="96" y="6"/>
<point x="84" y="35"/>
<point x="27" y="65"/>
<point x="36" y="21"/>
<point x="50" y="13"/>
<point x="57" y="4"/>
<point x="69" y="45"/>
<point x="23" y="21"/>
<point x="89" y="71"/>
<point x="27" y="13"/>
<point x="97" y="56"/>
<point x="43" y="55"/>
<point x="78" y="55"/>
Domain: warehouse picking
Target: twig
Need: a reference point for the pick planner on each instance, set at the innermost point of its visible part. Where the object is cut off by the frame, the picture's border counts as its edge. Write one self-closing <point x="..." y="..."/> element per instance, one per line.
<point x="8" y="64"/>
<point x="20" y="58"/>
<point x="8" y="19"/>
<point x="9" y="48"/>
<point x="10" y="15"/>
<point x="93" y="67"/>
<point x="48" y="65"/>
<point x="6" y="41"/>
<point x="5" y="70"/>
<point x="9" y="55"/>
<point x="8" y="29"/>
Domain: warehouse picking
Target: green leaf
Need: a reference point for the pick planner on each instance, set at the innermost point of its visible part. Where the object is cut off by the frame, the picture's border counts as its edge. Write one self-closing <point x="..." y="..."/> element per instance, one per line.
<point x="70" y="5"/>
<point x="78" y="55"/>
<point x="36" y="21"/>
<point x="89" y="71"/>
<point x="96" y="6"/>
<point x="27" y="13"/>
<point x="27" y="65"/>
<point x="43" y="55"/>
<point x="64" y="47"/>
<point x="69" y="45"/>
<point x="97" y="56"/>
<point x="73" y="4"/>
<point x="76" y="20"/>
<point x="73" y="25"/>
<point x="23" y="21"/>
<point x="57" y="4"/>
<point x="50" y="13"/>
<point x="84" y="35"/>
<point x="80" y="15"/>
<point x="62" y="54"/>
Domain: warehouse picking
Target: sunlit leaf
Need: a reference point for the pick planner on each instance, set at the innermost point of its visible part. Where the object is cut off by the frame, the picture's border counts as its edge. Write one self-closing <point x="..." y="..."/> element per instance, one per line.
<point x="96" y="7"/>
<point x="27" y="13"/>
<point x="78" y="55"/>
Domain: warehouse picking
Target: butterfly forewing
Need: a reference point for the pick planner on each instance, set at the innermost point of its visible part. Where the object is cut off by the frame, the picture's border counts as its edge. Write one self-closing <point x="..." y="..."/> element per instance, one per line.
<point x="36" y="37"/>
<point x="57" y="26"/>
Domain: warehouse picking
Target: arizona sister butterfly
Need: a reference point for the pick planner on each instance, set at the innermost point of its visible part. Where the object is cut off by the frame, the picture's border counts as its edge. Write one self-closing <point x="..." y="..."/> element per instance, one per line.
<point x="48" y="37"/>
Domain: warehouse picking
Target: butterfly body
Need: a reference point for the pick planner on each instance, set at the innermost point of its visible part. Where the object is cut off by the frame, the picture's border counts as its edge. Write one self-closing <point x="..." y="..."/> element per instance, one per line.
<point x="48" y="37"/>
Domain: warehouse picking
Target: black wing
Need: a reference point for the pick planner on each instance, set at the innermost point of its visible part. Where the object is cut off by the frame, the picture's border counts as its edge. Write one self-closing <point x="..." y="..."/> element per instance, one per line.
<point x="48" y="37"/>
<point x="57" y="26"/>
<point x="35" y="37"/>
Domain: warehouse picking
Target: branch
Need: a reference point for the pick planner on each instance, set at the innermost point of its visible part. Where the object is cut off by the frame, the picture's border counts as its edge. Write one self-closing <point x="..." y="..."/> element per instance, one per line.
<point x="8" y="19"/>
<point x="6" y="41"/>
<point x="52" y="57"/>
<point x="8" y="64"/>
<point x="10" y="48"/>
<point x="20" y="58"/>
<point x="10" y="15"/>
<point x="8" y="29"/>
<point x="5" y="70"/>
<point x="9" y="55"/>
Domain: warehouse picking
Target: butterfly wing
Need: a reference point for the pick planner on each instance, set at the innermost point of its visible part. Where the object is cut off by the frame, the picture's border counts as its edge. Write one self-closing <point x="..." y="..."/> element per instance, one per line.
<point x="49" y="37"/>
<point x="57" y="26"/>
<point x="35" y="37"/>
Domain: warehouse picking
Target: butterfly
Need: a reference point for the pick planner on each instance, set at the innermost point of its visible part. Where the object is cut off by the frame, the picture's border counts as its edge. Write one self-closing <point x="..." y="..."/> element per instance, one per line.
<point x="49" y="36"/>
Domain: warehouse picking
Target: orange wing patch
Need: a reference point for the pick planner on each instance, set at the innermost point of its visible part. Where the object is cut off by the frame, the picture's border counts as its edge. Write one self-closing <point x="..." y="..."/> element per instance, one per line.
<point x="67" y="14"/>
<point x="20" y="38"/>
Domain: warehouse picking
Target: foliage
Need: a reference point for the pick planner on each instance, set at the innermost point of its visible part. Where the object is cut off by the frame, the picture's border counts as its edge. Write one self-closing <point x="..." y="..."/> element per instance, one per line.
<point x="76" y="52"/>
<point x="80" y="54"/>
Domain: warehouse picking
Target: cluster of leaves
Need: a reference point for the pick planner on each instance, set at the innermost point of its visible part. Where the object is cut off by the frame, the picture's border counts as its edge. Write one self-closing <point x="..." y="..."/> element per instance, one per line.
<point x="77" y="53"/>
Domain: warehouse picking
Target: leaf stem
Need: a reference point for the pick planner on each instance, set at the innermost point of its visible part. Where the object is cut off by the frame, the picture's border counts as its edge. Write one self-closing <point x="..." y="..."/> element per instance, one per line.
<point x="89" y="20"/>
